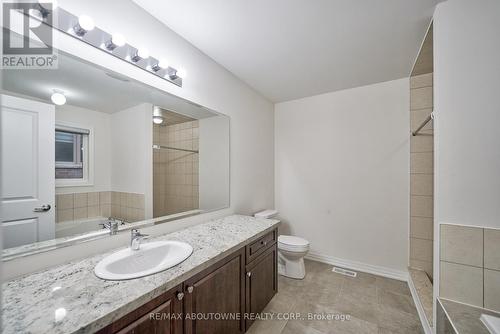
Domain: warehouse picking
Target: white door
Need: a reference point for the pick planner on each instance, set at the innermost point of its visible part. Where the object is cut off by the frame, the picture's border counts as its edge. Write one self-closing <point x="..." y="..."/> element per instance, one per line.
<point x="28" y="175"/>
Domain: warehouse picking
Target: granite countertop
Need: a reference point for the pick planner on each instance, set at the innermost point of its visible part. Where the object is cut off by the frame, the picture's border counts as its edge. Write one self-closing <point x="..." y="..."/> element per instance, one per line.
<point x="70" y="299"/>
<point x="465" y="318"/>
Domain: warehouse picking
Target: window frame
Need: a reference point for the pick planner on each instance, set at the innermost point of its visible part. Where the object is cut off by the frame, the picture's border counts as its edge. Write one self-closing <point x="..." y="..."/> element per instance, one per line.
<point x="87" y="155"/>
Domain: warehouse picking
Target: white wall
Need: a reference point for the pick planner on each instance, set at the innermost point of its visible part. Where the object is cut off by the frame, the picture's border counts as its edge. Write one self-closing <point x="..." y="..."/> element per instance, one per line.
<point x="467" y="109"/>
<point x="99" y="122"/>
<point x="213" y="162"/>
<point x="208" y="84"/>
<point x="342" y="173"/>
<point x="131" y="152"/>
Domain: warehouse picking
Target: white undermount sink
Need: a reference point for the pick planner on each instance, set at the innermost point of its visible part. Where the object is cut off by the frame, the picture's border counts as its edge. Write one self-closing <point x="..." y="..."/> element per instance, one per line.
<point x="151" y="258"/>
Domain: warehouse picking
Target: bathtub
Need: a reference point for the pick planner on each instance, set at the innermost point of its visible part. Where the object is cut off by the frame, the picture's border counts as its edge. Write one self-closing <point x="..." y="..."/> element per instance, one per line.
<point x="81" y="226"/>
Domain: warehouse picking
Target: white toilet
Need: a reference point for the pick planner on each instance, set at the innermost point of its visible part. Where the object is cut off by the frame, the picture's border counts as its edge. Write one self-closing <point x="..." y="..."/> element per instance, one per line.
<point x="291" y="251"/>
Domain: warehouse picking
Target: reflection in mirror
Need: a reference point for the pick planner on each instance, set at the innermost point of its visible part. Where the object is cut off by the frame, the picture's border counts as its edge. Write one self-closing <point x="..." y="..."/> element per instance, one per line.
<point x="87" y="152"/>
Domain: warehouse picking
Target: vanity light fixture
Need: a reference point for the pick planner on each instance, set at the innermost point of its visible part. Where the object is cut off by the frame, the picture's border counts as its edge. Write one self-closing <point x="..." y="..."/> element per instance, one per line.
<point x="84" y="25"/>
<point x="46" y="7"/>
<point x="141" y="53"/>
<point x="161" y="64"/>
<point x="115" y="41"/>
<point x="157" y="119"/>
<point x="113" y="44"/>
<point x="157" y="115"/>
<point x="58" y="98"/>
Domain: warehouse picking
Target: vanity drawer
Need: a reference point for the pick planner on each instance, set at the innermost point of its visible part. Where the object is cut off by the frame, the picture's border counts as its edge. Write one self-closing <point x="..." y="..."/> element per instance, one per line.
<point x="260" y="245"/>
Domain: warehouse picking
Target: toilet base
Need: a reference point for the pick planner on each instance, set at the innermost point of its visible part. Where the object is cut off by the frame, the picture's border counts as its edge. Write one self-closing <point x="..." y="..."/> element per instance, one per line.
<point x="292" y="268"/>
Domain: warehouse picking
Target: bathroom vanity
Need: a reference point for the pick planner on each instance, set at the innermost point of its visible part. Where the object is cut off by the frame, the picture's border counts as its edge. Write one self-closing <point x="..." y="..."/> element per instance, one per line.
<point x="231" y="273"/>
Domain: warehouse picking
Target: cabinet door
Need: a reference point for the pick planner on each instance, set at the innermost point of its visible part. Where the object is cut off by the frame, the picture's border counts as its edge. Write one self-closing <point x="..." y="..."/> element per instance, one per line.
<point x="261" y="282"/>
<point x="162" y="315"/>
<point x="214" y="293"/>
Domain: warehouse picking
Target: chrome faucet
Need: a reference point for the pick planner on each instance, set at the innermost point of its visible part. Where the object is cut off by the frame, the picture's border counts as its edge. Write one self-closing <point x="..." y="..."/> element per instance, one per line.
<point x="112" y="225"/>
<point x="135" y="239"/>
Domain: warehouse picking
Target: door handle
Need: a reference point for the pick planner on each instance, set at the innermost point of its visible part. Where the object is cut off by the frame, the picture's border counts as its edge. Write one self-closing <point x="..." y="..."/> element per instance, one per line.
<point x="43" y="208"/>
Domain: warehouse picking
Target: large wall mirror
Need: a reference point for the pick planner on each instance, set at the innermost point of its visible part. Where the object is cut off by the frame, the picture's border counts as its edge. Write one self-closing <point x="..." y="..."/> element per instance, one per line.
<point x="109" y="149"/>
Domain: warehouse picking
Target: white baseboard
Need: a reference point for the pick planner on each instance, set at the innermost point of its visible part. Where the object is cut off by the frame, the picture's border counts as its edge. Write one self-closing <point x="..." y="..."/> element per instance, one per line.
<point x="360" y="266"/>
<point x="420" y="308"/>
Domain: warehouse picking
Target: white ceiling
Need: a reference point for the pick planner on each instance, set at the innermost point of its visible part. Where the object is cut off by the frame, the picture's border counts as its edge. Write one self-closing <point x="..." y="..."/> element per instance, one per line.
<point x="288" y="49"/>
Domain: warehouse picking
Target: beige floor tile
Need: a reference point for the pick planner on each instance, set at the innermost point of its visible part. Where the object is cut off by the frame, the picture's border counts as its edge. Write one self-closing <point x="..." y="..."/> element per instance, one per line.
<point x="267" y="327"/>
<point x="393" y="285"/>
<point x="297" y="327"/>
<point x="403" y="303"/>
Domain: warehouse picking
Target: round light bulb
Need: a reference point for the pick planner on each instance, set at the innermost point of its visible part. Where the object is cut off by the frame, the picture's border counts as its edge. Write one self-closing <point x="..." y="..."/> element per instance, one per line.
<point x="181" y="73"/>
<point x="157" y="119"/>
<point x="86" y="23"/>
<point x="118" y="40"/>
<point x="163" y="63"/>
<point x="143" y="53"/>
<point x="58" y="99"/>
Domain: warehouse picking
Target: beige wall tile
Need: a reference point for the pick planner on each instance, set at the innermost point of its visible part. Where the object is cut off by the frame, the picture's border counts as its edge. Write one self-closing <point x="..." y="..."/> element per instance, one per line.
<point x="422" y="143"/>
<point x="461" y="283"/>
<point x="422" y="162"/>
<point x="80" y="200"/>
<point x="65" y="201"/>
<point x="422" y="184"/>
<point x="64" y="215"/>
<point x="492" y="249"/>
<point x="421" y="206"/>
<point x="421" y="249"/>
<point x="421" y="98"/>
<point x="492" y="289"/>
<point x="462" y="245"/>
<point x="80" y="213"/>
<point x="424" y="80"/>
<point x="105" y="197"/>
<point x="105" y="210"/>
<point x="418" y="116"/>
<point x="93" y="199"/>
<point x="422" y="265"/>
<point x="421" y="227"/>
<point x="115" y="211"/>
<point x="115" y="198"/>
<point x="93" y="211"/>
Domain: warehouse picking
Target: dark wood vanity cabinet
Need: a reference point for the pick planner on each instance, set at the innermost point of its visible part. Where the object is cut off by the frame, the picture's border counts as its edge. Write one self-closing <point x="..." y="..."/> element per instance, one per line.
<point x="214" y="299"/>
<point x="261" y="282"/>
<point x="220" y="300"/>
<point x="162" y="315"/>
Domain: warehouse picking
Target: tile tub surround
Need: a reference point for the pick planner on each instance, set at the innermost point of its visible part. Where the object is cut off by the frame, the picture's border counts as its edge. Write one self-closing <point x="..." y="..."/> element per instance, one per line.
<point x="373" y="303"/>
<point x="34" y="302"/>
<point x="175" y="173"/>
<point x="469" y="265"/>
<point x="423" y="285"/>
<point x="127" y="206"/>
<point x="421" y="174"/>
<point x="464" y="318"/>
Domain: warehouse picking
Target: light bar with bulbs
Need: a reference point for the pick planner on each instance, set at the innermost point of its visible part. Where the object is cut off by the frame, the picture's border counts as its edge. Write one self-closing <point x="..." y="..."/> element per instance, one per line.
<point x="84" y="28"/>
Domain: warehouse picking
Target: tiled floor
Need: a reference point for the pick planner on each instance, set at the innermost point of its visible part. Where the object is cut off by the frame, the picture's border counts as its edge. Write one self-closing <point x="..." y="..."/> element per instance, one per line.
<point x="375" y="304"/>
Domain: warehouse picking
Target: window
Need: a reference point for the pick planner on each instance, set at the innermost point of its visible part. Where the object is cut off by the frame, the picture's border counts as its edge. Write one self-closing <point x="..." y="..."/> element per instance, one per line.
<point x="72" y="156"/>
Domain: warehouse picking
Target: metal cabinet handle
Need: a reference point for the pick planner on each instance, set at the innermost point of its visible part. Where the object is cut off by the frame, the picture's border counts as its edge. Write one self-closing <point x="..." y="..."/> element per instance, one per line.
<point x="190" y="289"/>
<point x="180" y="295"/>
<point x="43" y="208"/>
<point x="249" y="274"/>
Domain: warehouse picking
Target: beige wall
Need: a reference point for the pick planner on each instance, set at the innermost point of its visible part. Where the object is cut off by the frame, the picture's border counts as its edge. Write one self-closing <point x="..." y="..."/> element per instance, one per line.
<point x="421" y="175"/>
<point x="175" y="173"/>
<point x="470" y="265"/>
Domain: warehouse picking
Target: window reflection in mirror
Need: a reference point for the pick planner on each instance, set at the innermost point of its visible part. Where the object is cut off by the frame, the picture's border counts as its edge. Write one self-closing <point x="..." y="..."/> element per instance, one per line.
<point x="117" y="150"/>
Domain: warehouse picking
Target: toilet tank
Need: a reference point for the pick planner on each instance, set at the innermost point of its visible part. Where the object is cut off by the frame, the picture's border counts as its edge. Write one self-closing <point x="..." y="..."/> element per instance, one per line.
<point x="269" y="213"/>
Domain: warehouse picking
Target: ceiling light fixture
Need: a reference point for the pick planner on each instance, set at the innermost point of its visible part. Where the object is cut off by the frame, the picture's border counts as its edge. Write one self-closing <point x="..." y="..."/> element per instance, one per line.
<point x="115" y="41"/>
<point x="157" y="119"/>
<point x="58" y="98"/>
<point x="84" y="25"/>
<point x="162" y="64"/>
<point x="141" y="53"/>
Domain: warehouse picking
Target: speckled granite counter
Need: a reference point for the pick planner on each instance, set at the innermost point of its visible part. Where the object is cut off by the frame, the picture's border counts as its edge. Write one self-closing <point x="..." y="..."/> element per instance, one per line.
<point x="71" y="299"/>
<point x="457" y="318"/>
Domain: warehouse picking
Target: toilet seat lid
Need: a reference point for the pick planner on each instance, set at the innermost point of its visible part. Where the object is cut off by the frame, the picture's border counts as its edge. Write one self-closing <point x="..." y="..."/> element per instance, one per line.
<point x="290" y="240"/>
